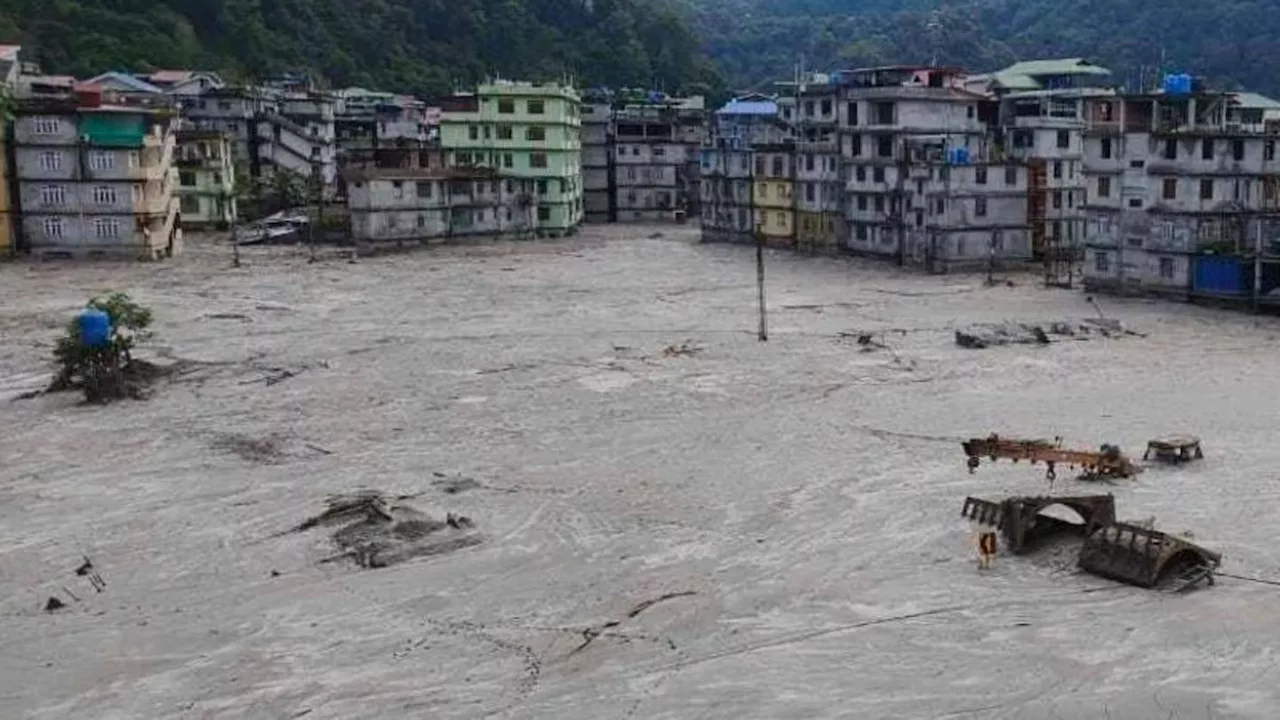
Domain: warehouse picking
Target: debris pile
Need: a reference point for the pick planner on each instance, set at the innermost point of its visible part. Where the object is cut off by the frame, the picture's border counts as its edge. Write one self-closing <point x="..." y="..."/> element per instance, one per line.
<point x="684" y="349"/>
<point x="984" y="335"/>
<point x="376" y="531"/>
<point x="1105" y="464"/>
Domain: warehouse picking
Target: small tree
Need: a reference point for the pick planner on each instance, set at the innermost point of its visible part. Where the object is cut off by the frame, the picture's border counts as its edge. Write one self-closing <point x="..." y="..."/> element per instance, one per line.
<point x="108" y="372"/>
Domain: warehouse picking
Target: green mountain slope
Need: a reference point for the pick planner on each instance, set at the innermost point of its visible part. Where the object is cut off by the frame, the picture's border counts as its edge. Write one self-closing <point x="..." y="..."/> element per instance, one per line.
<point x="1230" y="42"/>
<point x="423" y="46"/>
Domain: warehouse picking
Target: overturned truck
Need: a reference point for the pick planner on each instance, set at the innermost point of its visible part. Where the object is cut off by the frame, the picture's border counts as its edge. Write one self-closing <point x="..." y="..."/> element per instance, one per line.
<point x="1115" y="550"/>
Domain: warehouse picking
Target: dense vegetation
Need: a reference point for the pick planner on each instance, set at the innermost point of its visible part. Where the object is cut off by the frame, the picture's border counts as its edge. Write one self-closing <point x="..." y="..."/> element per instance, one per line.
<point x="422" y="46"/>
<point x="430" y="46"/>
<point x="1229" y="42"/>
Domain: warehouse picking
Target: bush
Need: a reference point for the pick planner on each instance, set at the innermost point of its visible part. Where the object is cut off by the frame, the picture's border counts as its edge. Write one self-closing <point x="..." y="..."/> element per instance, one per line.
<point x="109" y="372"/>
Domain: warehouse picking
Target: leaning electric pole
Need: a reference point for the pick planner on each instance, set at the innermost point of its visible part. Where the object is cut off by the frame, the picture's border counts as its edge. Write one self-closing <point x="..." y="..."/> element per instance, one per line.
<point x="764" y="324"/>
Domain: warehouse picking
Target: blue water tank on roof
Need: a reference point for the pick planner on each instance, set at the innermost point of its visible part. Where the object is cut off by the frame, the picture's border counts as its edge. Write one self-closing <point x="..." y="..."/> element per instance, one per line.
<point x="95" y="328"/>
<point x="1177" y="84"/>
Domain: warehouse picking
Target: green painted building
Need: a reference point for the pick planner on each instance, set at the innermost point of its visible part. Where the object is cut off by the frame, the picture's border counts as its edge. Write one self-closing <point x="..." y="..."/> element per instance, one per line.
<point x="526" y="130"/>
<point x="206" y="180"/>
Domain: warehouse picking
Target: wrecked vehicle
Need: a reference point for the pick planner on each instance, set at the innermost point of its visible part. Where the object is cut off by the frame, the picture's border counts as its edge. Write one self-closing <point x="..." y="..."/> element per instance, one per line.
<point x="1024" y="526"/>
<point x="1176" y="449"/>
<point x="1146" y="557"/>
<point x="1107" y="463"/>
<point x="1111" y="549"/>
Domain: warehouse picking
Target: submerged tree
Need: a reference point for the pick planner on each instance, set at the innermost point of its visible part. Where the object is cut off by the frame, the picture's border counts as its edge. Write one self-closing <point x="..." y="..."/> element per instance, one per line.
<point x="106" y="370"/>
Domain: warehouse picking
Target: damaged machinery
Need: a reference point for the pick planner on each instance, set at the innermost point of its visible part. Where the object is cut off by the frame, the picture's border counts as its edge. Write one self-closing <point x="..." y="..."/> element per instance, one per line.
<point x="1107" y="463"/>
<point x="1115" y="550"/>
<point x="1176" y="449"/>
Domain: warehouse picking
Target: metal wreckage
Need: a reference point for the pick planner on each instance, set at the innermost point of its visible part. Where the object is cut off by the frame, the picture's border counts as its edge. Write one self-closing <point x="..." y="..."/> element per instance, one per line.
<point x="1133" y="553"/>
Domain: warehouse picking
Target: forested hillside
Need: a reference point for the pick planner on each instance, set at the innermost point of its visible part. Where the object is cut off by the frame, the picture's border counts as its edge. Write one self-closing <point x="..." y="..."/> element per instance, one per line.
<point x="423" y="46"/>
<point x="1228" y="40"/>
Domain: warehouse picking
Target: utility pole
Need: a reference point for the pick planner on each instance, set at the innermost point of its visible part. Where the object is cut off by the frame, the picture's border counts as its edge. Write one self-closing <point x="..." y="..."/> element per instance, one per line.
<point x="311" y="225"/>
<point x="764" y="323"/>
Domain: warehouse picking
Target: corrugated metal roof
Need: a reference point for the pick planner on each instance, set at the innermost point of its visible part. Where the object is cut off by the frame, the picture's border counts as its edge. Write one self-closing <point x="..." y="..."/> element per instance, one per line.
<point x="1254" y="100"/>
<point x="1061" y="66"/>
<point x="1014" y="81"/>
<point x="127" y="80"/>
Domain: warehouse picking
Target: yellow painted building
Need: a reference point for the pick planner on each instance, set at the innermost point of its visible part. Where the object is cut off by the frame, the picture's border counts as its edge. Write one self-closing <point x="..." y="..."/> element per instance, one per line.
<point x="773" y="209"/>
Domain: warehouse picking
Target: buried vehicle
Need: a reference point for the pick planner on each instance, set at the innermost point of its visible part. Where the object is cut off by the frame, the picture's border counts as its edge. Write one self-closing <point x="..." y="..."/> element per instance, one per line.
<point x="1121" y="551"/>
<point x="1022" y="523"/>
<point x="1145" y="557"/>
<point x="1107" y="463"/>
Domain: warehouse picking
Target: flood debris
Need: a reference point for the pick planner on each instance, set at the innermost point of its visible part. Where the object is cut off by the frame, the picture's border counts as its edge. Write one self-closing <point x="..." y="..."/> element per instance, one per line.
<point x="377" y="531"/>
<point x="54" y="604"/>
<point x="684" y="349"/>
<point x="1175" y="449"/>
<point x="265" y="450"/>
<point x="984" y="335"/>
<point x="1128" y="552"/>
<point x="456" y="484"/>
<point x="590" y="634"/>
<point x="87" y="570"/>
<point x="1105" y="464"/>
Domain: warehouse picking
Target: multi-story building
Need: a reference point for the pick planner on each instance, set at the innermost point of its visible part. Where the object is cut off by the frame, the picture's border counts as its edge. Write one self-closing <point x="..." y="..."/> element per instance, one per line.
<point x="641" y="155"/>
<point x="728" y="169"/>
<point x="810" y="108"/>
<point x="772" y="192"/>
<point x="206" y="180"/>
<point x="418" y="206"/>
<point x="599" y="196"/>
<point x="1183" y="193"/>
<point x="1042" y="122"/>
<point x="272" y="129"/>
<point x="95" y="180"/>
<point x="926" y="185"/>
<point x="525" y="130"/>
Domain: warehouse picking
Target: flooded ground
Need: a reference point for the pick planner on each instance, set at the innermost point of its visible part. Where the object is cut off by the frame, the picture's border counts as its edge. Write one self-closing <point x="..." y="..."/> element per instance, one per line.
<point x="732" y="529"/>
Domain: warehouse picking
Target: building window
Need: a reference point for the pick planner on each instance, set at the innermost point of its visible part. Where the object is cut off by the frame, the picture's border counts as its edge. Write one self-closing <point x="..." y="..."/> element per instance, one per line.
<point x="762" y="190"/>
<point x="538" y="160"/>
<point x="104" y="195"/>
<point x="106" y="227"/>
<point x="861" y="173"/>
<point x="422" y="220"/>
<point x="473" y="132"/>
<point x="1102" y="262"/>
<point x="397" y="189"/>
<point x="536" y="107"/>
<point x="462" y="158"/>
<point x="1206" y="189"/>
<point x="507" y="160"/>
<point x="46" y="126"/>
<point x="1135" y="202"/>
<point x="542" y="187"/>
<point x="862" y="203"/>
<point x="879" y="203"/>
<point x="940" y="206"/>
<point x="1104" y="187"/>
<point x="187" y="178"/>
<point x="1206" y="149"/>
<point x="1057" y="199"/>
<point x="852" y="108"/>
<point x="980" y="175"/>
<point x="504" y="132"/>
<point x="919" y="218"/>
<point x="1237" y="149"/>
<point x="884" y="147"/>
<point x="808" y="192"/>
<point x="659" y="151"/>
<point x="424" y="189"/>
<point x="782" y="219"/>
<point x="1170" y="191"/>
<point x="101" y="160"/>
<point x="1106" y="148"/>
<point x="536" y="133"/>
<point x="544" y="213"/>
<point x="190" y="205"/>
<point x="877" y="174"/>
<point x="1170" y="149"/>
<point x="50" y="160"/>
<point x="53" y="195"/>
<point x="1057" y="168"/>
<point x="861" y="232"/>
<point x="777" y="166"/>
<point x="53" y="227"/>
<point x="138" y="193"/>
<point x="883" y="113"/>
<point x="1166" y="268"/>
<point x="980" y="207"/>
<point x="1011" y="175"/>
<point x="506" y="107"/>
<point x="1064" y="139"/>
<point x="487" y="133"/>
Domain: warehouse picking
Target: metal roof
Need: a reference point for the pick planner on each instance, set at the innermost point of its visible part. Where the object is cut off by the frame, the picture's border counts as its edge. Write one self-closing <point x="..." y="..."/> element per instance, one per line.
<point x="1062" y="66"/>
<point x="749" y="107"/>
<point x="127" y="80"/>
<point x="1254" y="100"/>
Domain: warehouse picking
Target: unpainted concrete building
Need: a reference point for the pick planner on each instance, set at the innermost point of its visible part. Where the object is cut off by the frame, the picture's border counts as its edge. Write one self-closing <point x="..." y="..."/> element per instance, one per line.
<point x="728" y="167"/>
<point x="95" y="180"/>
<point x="395" y="207"/>
<point x="1178" y="184"/>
